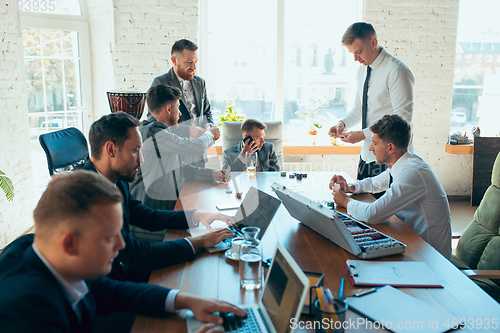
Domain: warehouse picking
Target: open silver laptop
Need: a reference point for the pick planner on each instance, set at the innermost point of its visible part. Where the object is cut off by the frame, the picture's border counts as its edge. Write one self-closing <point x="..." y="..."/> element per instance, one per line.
<point x="353" y="236"/>
<point x="280" y="303"/>
<point x="257" y="210"/>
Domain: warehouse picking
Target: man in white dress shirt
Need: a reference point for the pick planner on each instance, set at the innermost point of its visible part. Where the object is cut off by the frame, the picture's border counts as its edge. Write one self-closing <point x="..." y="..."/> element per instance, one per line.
<point x="415" y="194"/>
<point x="384" y="86"/>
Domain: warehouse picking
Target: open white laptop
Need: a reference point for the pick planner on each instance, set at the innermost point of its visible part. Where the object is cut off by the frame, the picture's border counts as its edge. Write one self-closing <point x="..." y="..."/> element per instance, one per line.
<point x="281" y="300"/>
<point x="257" y="210"/>
<point x="353" y="236"/>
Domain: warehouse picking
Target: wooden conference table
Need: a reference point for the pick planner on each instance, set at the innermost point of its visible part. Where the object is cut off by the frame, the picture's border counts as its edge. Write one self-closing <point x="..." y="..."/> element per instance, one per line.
<point x="215" y="276"/>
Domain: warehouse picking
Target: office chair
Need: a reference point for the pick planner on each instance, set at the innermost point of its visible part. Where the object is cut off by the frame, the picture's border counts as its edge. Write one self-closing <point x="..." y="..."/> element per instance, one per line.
<point x="478" y="249"/>
<point x="231" y="135"/>
<point x="66" y="150"/>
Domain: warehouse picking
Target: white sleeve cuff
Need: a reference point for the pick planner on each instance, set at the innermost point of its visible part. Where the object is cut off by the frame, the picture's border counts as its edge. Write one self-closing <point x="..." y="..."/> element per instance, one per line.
<point x="368" y="134"/>
<point x="242" y="159"/>
<point x="189" y="242"/>
<point x="170" y="301"/>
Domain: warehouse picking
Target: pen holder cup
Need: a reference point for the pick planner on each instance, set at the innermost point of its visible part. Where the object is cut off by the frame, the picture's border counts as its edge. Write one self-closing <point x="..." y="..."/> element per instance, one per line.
<point x="330" y="321"/>
<point x="315" y="281"/>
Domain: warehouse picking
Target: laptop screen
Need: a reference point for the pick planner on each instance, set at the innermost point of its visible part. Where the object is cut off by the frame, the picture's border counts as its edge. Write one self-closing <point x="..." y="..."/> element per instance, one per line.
<point x="282" y="294"/>
<point x="257" y="210"/>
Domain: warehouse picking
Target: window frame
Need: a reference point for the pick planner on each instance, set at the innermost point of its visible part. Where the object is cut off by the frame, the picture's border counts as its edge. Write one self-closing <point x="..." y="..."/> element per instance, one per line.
<point x="78" y="23"/>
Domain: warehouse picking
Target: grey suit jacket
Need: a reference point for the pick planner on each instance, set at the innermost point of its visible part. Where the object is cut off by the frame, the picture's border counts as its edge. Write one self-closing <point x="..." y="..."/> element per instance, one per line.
<point x="200" y="95"/>
<point x="268" y="159"/>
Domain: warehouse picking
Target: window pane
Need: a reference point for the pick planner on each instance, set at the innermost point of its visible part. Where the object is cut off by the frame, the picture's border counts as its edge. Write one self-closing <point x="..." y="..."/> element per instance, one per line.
<point x="65" y="7"/>
<point x="242" y="56"/>
<point x="52" y="79"/>
<point x="476" y="93"/>
<point x="317" y="75"/>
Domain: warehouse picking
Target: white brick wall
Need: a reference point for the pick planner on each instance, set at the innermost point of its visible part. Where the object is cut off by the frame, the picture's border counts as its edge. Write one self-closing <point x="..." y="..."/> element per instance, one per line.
<point x="15" y="158"/>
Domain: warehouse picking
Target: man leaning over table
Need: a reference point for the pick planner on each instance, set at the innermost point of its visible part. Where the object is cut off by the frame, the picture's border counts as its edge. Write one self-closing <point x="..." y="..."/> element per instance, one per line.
<point x="384" y="86"/>
<point x="54" y="281"/>
<point x="194" y="104"/>
<point x="162" y="174"/>
<point x="415" y="194"/>
<point x="115" y="144"/>
<point x="235" y="156"/>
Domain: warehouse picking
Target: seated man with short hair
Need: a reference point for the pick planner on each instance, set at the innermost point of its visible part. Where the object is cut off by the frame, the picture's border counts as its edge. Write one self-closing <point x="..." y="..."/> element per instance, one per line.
<point x="235" y="156"/>
<point x="415" y="194"/>
<point x="43" y="285"/>
<point x="160" y="178"/>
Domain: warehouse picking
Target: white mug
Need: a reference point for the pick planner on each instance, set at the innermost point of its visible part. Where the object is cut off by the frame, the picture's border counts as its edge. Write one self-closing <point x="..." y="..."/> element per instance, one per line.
<point x="235" y="245"/>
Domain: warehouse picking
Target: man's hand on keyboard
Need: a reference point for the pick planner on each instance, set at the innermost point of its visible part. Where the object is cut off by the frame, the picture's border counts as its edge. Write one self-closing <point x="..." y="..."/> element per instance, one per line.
<point x="207" y="218"/>
<point x="210" y="238"/>
<point x="204" y="308"/>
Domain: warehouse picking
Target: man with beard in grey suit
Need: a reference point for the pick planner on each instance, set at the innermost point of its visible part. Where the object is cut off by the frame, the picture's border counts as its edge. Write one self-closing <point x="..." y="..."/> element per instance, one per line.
<point x="194" y="105"/>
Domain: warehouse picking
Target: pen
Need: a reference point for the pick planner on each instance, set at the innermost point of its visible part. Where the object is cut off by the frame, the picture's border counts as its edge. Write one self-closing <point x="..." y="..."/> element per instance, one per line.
<point x="365" y="292"/>
<point x="341" y="289"/>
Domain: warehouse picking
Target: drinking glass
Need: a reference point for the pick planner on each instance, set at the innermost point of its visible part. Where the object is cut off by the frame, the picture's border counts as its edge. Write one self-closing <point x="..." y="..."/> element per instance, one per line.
<point x="251" y="163"/>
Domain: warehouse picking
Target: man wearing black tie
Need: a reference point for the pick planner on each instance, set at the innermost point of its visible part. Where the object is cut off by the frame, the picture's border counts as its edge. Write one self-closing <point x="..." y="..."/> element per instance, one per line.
<point x="384" y="86"/>
<point x="194" y="105"/>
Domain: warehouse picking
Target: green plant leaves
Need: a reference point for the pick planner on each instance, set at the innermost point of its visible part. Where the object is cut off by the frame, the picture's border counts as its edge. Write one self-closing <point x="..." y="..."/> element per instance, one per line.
<point x="7" y="186"/>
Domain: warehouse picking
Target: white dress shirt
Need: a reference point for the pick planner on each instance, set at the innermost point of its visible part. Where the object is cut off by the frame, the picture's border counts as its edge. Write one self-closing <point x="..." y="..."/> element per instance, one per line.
<point x="415" y="196"/>
<point x="188" y="93"/>
<point x="390" y="91"/>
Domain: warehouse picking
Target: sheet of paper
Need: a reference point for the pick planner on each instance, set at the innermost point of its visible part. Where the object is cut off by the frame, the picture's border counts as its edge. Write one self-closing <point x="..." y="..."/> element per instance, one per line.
<point x="394" y="273"/>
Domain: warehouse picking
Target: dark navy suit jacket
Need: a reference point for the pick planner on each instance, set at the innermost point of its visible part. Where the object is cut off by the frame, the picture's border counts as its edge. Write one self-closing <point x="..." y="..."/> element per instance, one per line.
<point x="32" y="300"/>
<point x="143" y="256"/>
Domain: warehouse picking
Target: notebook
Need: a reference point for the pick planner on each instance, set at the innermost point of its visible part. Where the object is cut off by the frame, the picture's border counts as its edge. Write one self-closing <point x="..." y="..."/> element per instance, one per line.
<point x="399" y="312"/>
<point x="257" y="210"/>
<point x="280" y="303"/>
<point x="353" y="236"/>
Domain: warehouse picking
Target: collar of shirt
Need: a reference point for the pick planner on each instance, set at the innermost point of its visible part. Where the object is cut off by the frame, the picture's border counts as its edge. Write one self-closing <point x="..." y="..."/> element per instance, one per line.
<point x="396" y="167"/>
<point x="378" y="60"/>
<point x="73" y="292"/>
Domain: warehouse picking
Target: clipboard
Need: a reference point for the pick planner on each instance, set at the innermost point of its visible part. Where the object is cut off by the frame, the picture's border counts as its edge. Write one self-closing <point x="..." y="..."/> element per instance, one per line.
<point x="408" y="274"/>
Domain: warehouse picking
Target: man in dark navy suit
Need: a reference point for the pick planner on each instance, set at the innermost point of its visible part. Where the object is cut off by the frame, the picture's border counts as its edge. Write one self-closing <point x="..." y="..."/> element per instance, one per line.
<point x="53" y="282"/>
<point x="115" y="144"/>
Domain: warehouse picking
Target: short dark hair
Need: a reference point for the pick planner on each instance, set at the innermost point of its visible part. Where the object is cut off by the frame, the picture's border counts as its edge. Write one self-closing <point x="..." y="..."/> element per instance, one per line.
<point x="249" y="124"/>
<point x="393" y="129"/>
<point x="69" y="197"/>
<point x="183" y="44"/>
<point x="361" y="30"/>
<point x="160" y="95"/>
<point x="111" y="127"/>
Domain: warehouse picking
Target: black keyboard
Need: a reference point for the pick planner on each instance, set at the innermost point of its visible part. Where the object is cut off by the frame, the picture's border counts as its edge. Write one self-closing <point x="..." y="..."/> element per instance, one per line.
<point x="237" y="324"/>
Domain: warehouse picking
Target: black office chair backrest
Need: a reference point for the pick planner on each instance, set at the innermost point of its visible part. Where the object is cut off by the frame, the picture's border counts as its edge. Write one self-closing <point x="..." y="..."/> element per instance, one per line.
<point x="66" y="150"/>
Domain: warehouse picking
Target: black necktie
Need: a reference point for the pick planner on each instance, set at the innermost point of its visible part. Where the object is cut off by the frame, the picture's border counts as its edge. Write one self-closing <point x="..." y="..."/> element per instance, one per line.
<point x="364" y="107"/>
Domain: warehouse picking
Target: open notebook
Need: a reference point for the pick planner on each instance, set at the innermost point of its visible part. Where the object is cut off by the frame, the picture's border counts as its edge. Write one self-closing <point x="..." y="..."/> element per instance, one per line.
<point x="281" y="300"/>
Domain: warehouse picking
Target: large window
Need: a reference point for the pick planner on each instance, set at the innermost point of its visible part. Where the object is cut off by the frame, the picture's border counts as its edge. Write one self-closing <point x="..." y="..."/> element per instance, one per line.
<point x="57" y="72"/>
<point x="476" y="87"/>
<point x="273" y="58"/>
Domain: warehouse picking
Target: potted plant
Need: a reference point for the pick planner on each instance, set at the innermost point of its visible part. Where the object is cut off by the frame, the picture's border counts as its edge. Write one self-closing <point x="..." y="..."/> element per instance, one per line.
<point x="314" y="120"/>
<point x="231" y="114"/>
<point x="7" y="186"/>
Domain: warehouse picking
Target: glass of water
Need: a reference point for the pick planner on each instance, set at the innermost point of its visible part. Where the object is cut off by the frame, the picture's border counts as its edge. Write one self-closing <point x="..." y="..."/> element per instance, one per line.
<point x="251" y="259"/>
<point x="251" y="163"/>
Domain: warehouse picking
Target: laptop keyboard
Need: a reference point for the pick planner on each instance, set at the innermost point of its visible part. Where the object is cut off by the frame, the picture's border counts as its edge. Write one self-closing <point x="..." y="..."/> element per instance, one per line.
<point x="237" y="324"/>
<point x="237" y="232"/>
